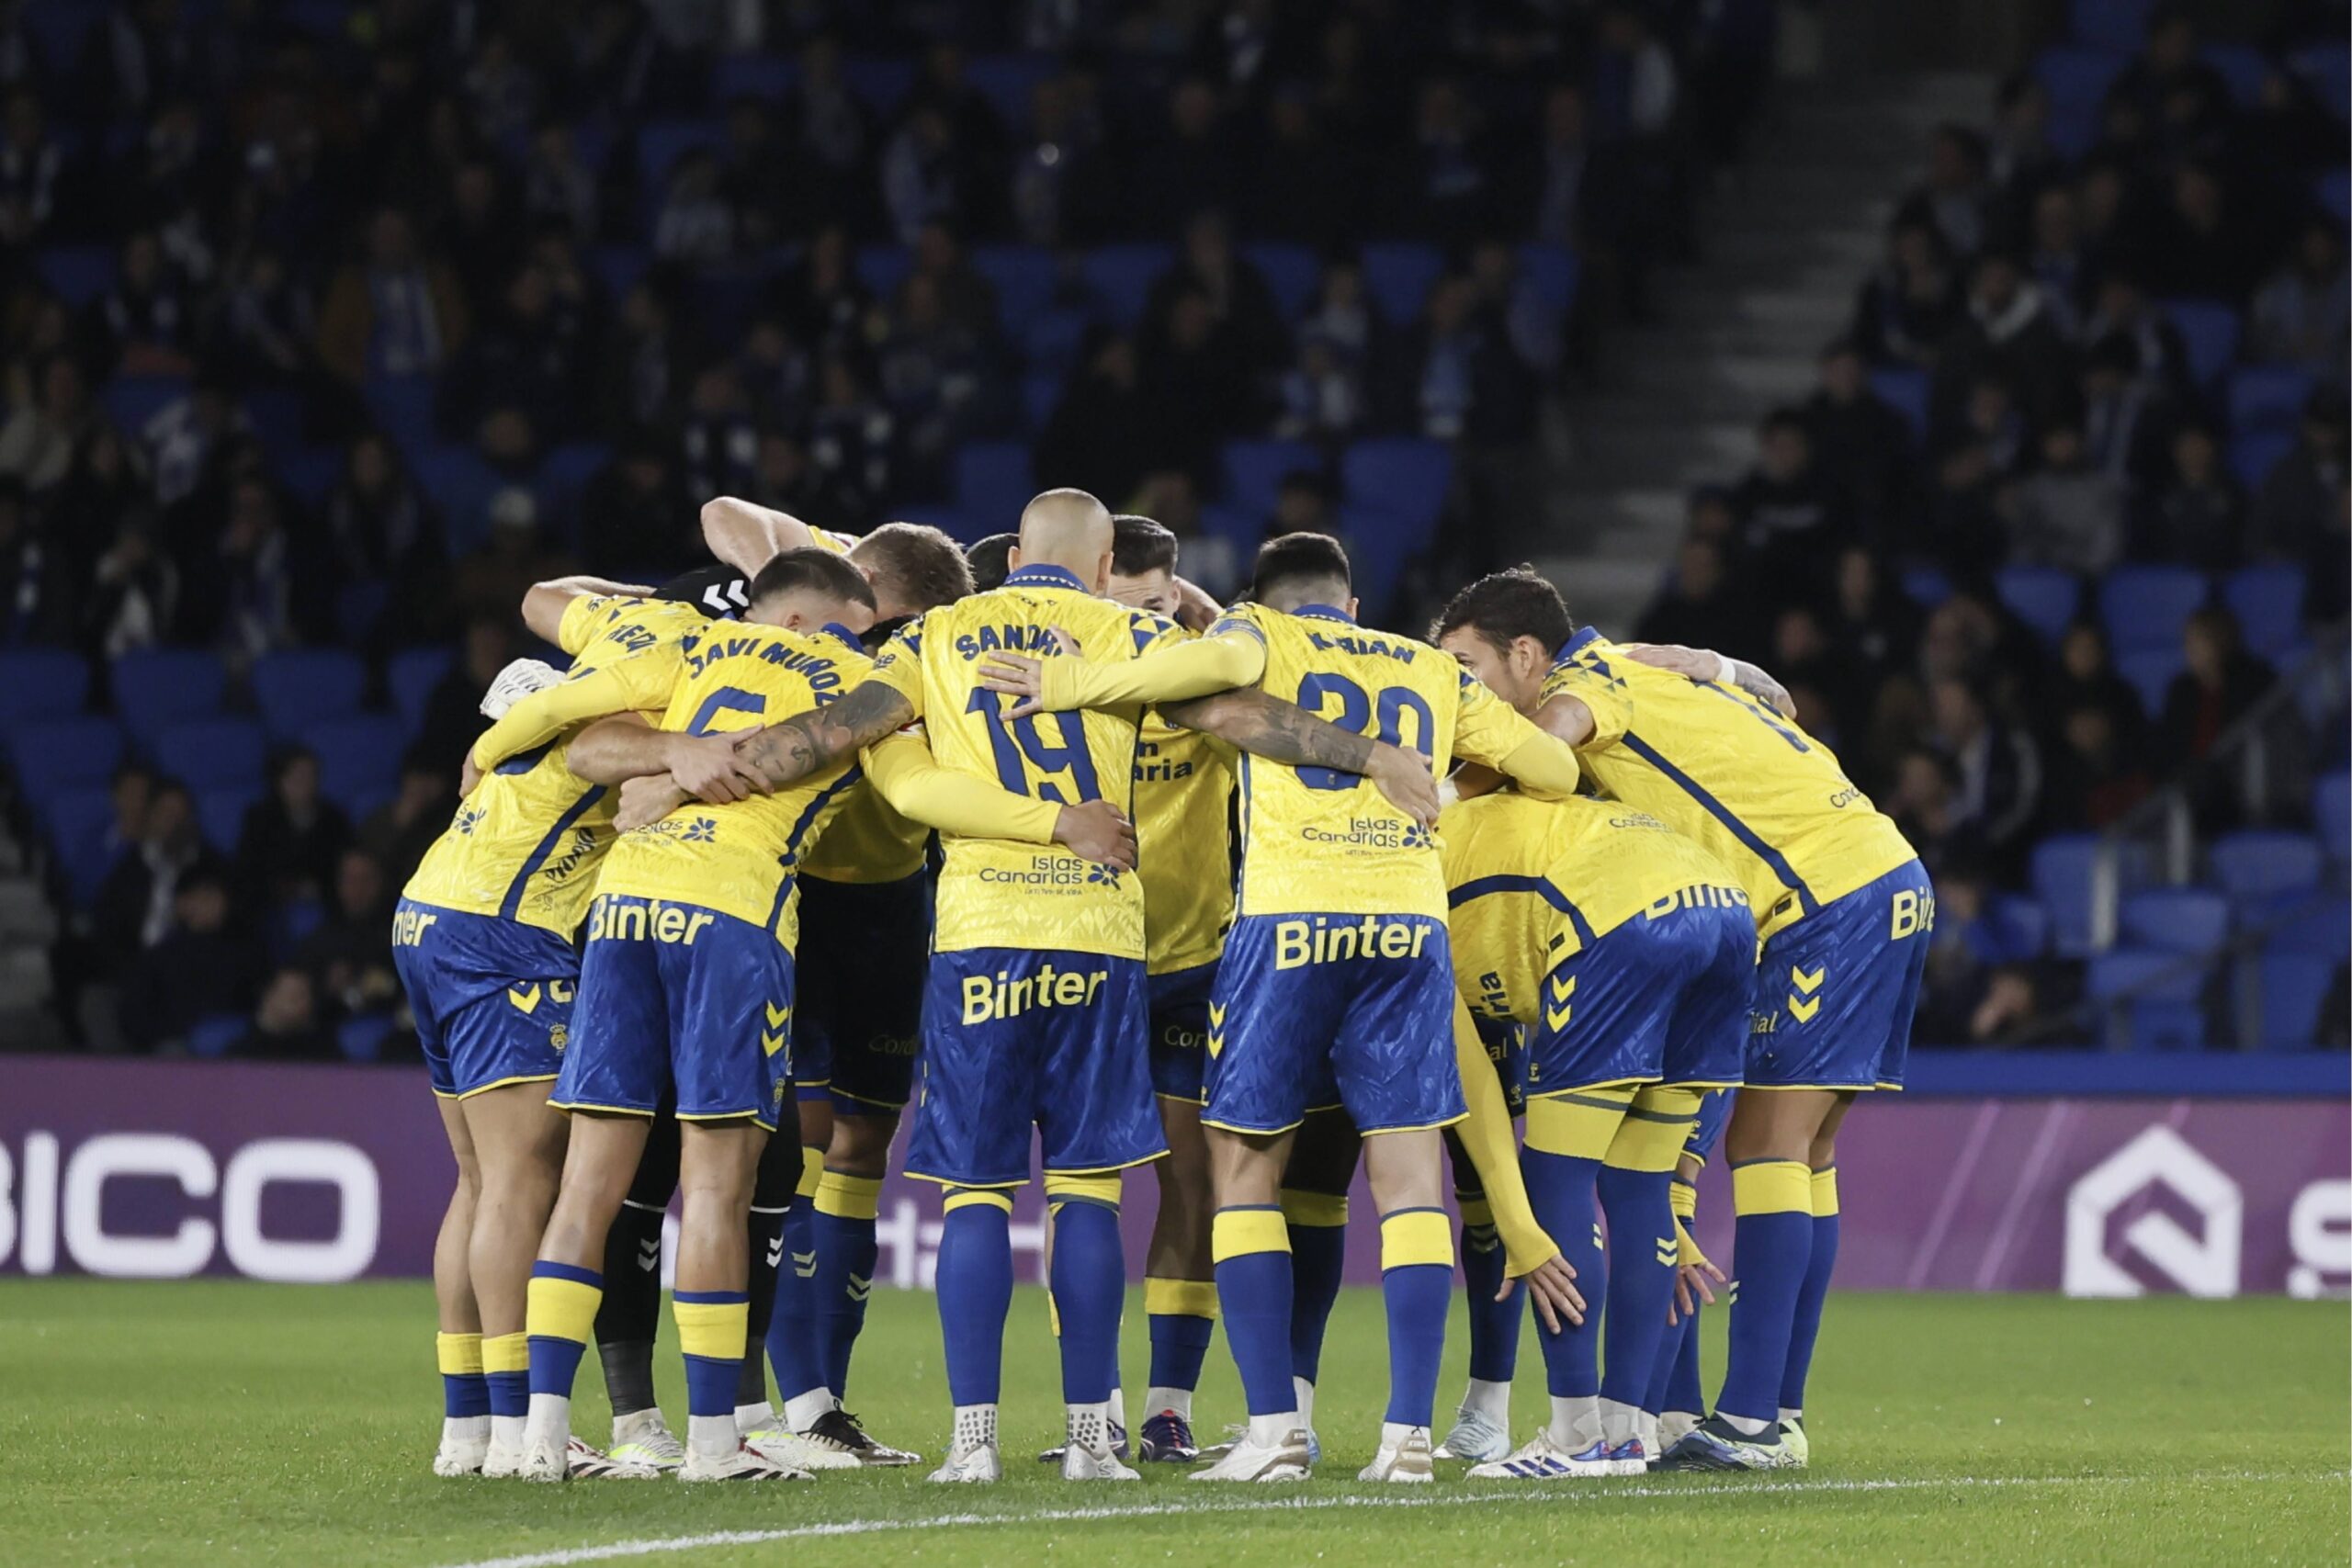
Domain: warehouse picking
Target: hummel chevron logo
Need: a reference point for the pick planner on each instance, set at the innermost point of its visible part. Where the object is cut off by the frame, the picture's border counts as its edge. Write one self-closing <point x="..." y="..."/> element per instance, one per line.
<point x="776" y="1252"/>
<point x="1217" y="1029"/>
<point x="776" y="1015"/>
<point x="527" y="998"/>
<point x="649" y="1255"/>
<point x="860" y="1289"/>
<point x="804" y="1264"/>
<point x="1669" y="1253"/>
<point x="1808" y="983"/>
<point x="1217" y="1016"/>
<point x="1801" y="1009"/>
<point x="771" y="1043"/>
<point x="1562" y="989"/>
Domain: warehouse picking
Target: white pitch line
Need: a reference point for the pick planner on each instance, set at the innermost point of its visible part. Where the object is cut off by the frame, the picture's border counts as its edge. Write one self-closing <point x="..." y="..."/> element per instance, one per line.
<point x="656" y="1546"/>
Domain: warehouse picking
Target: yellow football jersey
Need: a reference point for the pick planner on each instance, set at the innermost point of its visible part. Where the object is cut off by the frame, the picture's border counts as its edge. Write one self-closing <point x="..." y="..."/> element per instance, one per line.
<point x="527" y="844"/>
<point x="1528" y="882"/>
<point x="1184" y="844"/>
<point x="993" y="892"/>
<point x="1767" y="800"/>
<point x="740" y="858"/>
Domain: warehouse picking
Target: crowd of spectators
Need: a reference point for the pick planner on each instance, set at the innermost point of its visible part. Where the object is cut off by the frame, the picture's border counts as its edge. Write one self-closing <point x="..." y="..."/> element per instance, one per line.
<point x="2016" y="390"/>
<point x="338" y="324"/>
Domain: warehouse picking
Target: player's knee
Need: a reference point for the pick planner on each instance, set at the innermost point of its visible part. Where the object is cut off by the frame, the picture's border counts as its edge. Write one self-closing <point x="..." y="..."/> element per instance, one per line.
<point x="860" y="1145"/>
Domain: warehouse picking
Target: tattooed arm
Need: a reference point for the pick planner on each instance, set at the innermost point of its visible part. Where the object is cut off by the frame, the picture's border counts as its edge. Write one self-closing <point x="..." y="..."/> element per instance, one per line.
<point x="1284" y="732"/>
<point x="788" y="752"/>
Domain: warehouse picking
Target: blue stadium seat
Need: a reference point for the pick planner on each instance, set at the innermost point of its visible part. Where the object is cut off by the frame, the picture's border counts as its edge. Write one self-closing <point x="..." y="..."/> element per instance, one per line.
<point x="1123" y="277"/>
<point x="1008" y="81"/>
<point x="1551" y="271"/>
<point x="2175" y="920"/>
<point x="76" y="274"/>
<point x="1254" y="471"/>
<point x="2153" y="1024"/>
<point x="879" y="82"/>
<point x="994" y="481"/>
<point x="1380" y="543"/>
<point x="2268" y="602"/>
<point x="2149" y="671"/>
<point x="362" y="1039"/>
<point x="289" y="922"/>
<point x="1245" y="531"/>
<point x="2264" y="861"/>
<point x="295" y="687"/>
<point x="462" y="484"/>
<point x="213" y="753"/>
<point x="213" y="1034"/>
<point x="404" y="408"/>
<point x="1926" y="586"/>
<point x="2149" y="998"/>
<point x="766" y="77"/>
<point x="2332" y="808"/>
<point x="2012" y="930"/>
<point x="2326" y="69"/>
<point x="2256" y="453"/>
<point x="2061" y="871"/>
<point x="1051" y="339"/>
<point x="132" y="400"/>
<point x="1906" y="389"/>
<point x="51" y="755"/>
<point x="2243" y="66"/>
<point x="881" y="268"/>
<point x="2110" y="24"/>
<point x="662" y="142"/>
<point x="1399" y="275"/>
<point x="2293" y="991"/>
<point x="565" y="473"/>
<point x="1023" y="276"/>
<point x="2315" y="922"/>
<point x="1041" y="393"/>
<point x="220" y="813"/>
<point x="2267" y="397"/>
<point x="40" y="682"/>
<point x="1403" y="476"/>
<point x="2208" y="333"/>
<point x="2332" y="193"/>
<point x="413" y="674"/>
<point x="79" y="823"/>
<point x="359" y="759"/>
<point x="2042" y="597"/>
<point x="156" y="686"/>
<point x="2146" y="606"/>
<point x="2077" y="80"/>
<point x="1290" y="273"/>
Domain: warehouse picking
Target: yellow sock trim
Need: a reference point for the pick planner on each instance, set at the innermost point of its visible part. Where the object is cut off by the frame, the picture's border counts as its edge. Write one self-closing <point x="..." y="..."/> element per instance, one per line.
<point x="1579" y="1125"/>
<point x="848" y="1197"/>
<point x="459" y="1354"/>
<point x="714" y="1330"/>
<point x="508" y="1352"/>
<point x="1416" y="1235"/>
<point x="1300" y="1207"/>
<point x="964" y="1198"/>
<point x="1475" y="1210"/>
<point x="813" y="1172"/>
<point x="1236" y="1233"/>
<point x="1093" y="1189"/>
<point x="1683" y="1199"/>
<point x="1771" y="1186"/>
<point x="557" y="1309"/>
<point x="1824" y="1192"/>
<point x="1179" y="1298"/>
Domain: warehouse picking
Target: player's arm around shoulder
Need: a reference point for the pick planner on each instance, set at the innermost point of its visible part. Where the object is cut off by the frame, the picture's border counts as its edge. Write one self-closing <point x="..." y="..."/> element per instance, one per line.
<point x="1489" y="730"/>
<point x="1161" y="664"/>
<point x="561" y="609"/>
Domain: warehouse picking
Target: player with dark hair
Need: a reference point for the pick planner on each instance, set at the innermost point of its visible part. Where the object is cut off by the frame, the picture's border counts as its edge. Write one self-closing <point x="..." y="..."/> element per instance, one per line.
<point x="991" y="561"/>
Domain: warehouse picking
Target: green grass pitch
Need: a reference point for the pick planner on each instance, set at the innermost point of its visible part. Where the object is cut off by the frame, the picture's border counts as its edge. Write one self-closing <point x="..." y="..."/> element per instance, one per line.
<point x="217" y="1422"/>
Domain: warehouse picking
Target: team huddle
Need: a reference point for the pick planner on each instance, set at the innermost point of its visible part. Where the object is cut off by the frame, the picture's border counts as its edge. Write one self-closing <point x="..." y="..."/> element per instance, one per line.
<point x="1247" y="894"/>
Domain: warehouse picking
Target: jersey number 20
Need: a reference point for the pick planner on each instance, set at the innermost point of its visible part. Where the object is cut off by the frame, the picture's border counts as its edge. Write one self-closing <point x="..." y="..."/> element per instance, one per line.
<point x="1356" y="713"/>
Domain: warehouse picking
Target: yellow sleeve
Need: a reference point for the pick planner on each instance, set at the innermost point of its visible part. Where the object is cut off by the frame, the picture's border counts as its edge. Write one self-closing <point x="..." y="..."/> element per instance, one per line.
<point x="573" y="632"/>
<point x="1172" y="672"/>
<point x="1605" y="696"/>
<point x="1487" y="729"/>
<point x="638" y="684"/>
<point x="900" y="765"/>
<point x="900" y="666"/>
<point x="1493" y="1149"/>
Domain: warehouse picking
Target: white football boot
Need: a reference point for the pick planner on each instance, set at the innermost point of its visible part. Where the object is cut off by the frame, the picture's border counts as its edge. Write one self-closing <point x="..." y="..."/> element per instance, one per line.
<point x="1249" y="1460"/>
<point x="1087" y="1454"/>
<point x="642" y="1439"/>
<point x="738" y="1464"/>
<point x="465" y="1443"/>
<point x="1404" y="1457"/>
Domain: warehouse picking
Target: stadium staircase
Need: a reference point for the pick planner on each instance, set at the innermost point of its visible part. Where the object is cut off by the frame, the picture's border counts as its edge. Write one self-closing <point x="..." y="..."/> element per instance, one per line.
<point x="1787" y="240"/>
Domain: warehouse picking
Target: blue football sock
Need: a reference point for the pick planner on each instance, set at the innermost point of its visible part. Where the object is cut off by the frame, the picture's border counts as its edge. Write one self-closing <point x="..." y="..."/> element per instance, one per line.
<point x="1675" y="1376"/>
<point x="843" y="1225"/>
<point x="1640" y="1277"/>
<point x="1806" y="1325"/>
<point x="1771" y="1250"/>
<point x="1089" y="1283"/>
<point x="1415" y="1280"/>
<point x="712" y="1326"/>
<point x="974" y="1288"/>
<point x="793" y="1333"/>
<point x="1494" y="1324"/>
<point x="1253" y="1285"/>
<point x="1560" y="1189"/>
<point x="465" y="1389"/>
<point x="1317" y="1227"/>
<point x="1182" y="1315"/>
<point x="560" y="1316"/>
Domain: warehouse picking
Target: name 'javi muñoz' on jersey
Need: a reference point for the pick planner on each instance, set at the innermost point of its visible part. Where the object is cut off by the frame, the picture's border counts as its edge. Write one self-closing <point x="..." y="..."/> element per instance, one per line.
<point x="1764" y="797"/>
<point x="739" y="857"/>
<point x="527" y="844"/>
<point x="1321" y="840"/>
<point x="994" y="892"/>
